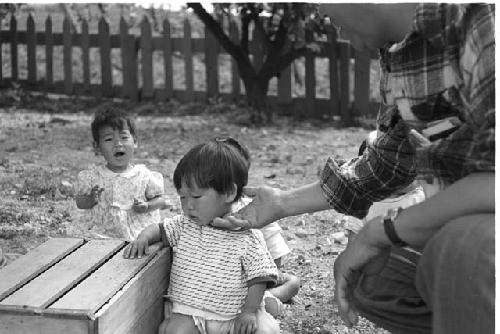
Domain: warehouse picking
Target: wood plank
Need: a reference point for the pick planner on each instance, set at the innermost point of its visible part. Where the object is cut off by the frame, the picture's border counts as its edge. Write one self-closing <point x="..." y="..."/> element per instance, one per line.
<point x="150" y="320"/>
<point x="310" y="79"/>
<point x="31" y="49"/>
<point x="49" y="53"/>
<point x="13" y="48"/>
<point x="36" y="324"/>
<point x="362" y="82"/>
<point x="85" y="45"/>
<point x="332" y="50"/>
<point x="1" y="52"/>
<point x="125" y="58"/>
<point x="64" y="275"/>
<point x="91" y="294"/>
<point x="235" y="73"/>
<point x="345" y="88"/>
<point x="67" y="56"/>
<point x="285" y="86"/>
<point x="167" y="60"/>
<point x="146" y="60"/>
<point x="134" y="300"/>
<point x="188" y="62"/>
<point x="211" y="64"/>
<point x="28" y="266"/>
<point x="105" y="52"/>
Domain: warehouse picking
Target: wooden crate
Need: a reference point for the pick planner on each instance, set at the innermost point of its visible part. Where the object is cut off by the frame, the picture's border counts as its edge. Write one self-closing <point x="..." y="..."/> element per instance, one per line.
<point x="77" y="286"/>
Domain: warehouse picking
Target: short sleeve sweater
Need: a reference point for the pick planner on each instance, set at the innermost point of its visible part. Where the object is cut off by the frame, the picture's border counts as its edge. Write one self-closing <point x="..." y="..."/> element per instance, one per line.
<point x="213" y="268"/>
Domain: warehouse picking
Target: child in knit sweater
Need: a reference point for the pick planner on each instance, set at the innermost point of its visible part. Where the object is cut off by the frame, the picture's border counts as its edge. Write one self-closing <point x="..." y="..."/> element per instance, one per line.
<point x="218" y="277"/>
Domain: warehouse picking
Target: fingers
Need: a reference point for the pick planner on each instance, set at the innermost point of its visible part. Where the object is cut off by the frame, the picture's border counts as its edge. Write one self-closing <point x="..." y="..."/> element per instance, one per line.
<point x="135" y="249"/>
<point x="345" y="281"/>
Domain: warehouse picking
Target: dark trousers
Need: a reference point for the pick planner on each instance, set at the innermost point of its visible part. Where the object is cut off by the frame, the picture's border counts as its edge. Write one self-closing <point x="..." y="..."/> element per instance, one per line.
<point x="449" y="288"/>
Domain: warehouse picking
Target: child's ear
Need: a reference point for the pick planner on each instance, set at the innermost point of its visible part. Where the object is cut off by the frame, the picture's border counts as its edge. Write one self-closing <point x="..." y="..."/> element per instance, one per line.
<point x="96" y="148"/>
<point x="231" y="195"/>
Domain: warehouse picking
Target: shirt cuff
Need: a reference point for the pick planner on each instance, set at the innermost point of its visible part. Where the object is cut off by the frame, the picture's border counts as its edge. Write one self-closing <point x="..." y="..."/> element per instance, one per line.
<point x="270" y="280"/>
<point x="163" y="235"/>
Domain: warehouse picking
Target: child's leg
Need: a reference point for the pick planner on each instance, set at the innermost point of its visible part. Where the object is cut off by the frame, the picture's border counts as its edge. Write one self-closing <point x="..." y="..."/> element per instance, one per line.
<point x="178" y="324"/>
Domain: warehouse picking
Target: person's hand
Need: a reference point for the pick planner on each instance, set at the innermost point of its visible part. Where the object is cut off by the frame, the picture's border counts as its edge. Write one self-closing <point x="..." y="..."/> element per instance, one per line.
<point x="140" y="206"/>
<point x="95" y="193"/>
<point x="361" y="256"/>
<point x="245" y="323"/>
<point x="137" y="248"/>
<point x="264" y="209"/>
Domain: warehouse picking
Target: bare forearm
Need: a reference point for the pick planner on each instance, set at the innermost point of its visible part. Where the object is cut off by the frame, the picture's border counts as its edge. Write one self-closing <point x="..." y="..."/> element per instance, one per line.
<point x="151" y="233"/>
<point x="157" y="203"/>
<point x="254" y="298"/>
<point x="474" y="194"/>
<point x="306" y="199"/>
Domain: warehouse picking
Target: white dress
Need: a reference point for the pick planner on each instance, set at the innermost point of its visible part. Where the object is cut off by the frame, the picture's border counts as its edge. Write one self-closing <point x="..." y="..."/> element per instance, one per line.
<point x="113" y="216"/>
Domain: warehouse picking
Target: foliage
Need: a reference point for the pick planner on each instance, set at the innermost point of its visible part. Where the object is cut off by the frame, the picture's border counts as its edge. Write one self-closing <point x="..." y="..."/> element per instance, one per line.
<point x="285" y="31"/>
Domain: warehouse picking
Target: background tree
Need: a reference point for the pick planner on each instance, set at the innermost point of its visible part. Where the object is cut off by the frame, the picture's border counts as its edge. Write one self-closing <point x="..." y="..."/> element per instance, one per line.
<point x="287" y="31"/>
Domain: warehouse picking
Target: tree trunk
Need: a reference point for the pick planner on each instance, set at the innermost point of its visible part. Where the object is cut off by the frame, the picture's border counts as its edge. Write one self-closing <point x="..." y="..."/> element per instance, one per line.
<point x="256" y="91"/>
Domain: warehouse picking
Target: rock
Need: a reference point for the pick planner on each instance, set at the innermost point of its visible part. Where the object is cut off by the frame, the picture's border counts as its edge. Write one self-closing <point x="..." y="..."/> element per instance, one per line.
<point x="339" y="238"/>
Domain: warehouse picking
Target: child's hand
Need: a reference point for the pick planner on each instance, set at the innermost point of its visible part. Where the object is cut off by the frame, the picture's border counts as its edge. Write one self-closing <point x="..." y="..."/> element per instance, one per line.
<point x="137" y="248"/>
<point x="140" y="206"/>
<point x="95" y="193"/>
<point x="245" y="323"/>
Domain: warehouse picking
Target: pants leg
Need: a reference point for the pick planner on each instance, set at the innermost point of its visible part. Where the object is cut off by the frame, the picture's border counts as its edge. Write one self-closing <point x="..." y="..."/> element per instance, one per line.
<point x="456" y="276"/>
<point x="393" y="302"/>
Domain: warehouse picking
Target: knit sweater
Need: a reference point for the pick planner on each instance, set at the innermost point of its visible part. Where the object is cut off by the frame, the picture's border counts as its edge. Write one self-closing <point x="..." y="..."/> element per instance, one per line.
<point x="213" y="268"/>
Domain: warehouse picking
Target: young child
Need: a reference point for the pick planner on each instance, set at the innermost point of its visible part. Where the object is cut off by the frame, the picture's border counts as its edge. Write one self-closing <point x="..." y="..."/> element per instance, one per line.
<point x="218" y="277"/>
<point x="122" y="198"/>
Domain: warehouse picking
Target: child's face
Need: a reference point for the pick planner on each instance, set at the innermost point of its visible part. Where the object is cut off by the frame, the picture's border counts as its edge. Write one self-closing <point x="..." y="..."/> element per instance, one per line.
<point x="203" y="205"/>
<point x="117" y="147"/>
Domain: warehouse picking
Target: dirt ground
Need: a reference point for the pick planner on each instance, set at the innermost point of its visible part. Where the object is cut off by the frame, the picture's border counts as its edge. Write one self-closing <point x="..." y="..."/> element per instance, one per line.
<point x="44" y="144"/>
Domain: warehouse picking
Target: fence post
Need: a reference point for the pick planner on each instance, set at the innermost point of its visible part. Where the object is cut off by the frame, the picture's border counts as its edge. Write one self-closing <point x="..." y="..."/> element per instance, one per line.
<point x="146" y="44"/>
<point x="235" y="74"/>
<point x="167" y="60"/>
<point x="85" y="45"/>
<point x="105" y="52"/>
<point x="211" y="64"/>
<point x="345" y="90"/>
<point x="1" y="51"/>
<point x="13" y="48"/>
<point x="310" y="78"/>
<point x="67" y="59"/>
<point x="49" y="54"/>
<point x="362" y="82"/>
<point x="333" y="104"/>
<point x="188" y="61"/>
<point x="31" y="49"/>
<point x="129" y="62"/>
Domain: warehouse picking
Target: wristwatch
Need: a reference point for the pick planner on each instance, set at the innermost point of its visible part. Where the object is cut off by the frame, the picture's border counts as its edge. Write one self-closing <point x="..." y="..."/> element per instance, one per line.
<point x="390" y="231"/>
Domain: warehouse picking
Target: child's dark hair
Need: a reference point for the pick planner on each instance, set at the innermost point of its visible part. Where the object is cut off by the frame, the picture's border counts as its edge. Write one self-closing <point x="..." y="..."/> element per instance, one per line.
<point x="114" y="118"/>
<point x="217" y="164"/>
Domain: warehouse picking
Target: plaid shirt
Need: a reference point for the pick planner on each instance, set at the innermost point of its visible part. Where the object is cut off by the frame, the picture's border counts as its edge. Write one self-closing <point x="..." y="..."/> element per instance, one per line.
<point x="445" y="67"/>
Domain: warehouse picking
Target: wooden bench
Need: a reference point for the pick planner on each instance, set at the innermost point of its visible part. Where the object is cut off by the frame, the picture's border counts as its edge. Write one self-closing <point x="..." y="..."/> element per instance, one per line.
<point x="77" y="286"/>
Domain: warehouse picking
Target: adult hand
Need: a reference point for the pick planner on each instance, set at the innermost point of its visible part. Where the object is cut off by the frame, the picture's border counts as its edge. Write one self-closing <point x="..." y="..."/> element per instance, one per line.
<point x="264" y="209"/>
<point x="245" y="323"/>
<point x="361" y="256"/>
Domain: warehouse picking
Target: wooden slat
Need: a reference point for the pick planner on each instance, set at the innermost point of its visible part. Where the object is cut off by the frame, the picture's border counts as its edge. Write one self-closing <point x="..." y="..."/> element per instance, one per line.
<point x="333" y="71"/>
<point x="188" y="61"/>
<point x="235" y="73"/>
<point x="125" y="58"/>
<point x="211" y="64"/>
<point x="285" y="86"/>
<point x="362" y="82"/>
<point x="344" y="84"/>
<point x="13" y="48"/>
<point x="1" y="53"/>
<point x="49" y="53"/>
<point x="85" y="45"/>
<point x="105" y="52"/>
<point x="63" y="276"/>
<point x="67" y="58"/>
<point x="23" y="324"/>
<point x="91" y="294"/>
<point x="28" y="266"/>
<point x="31" y="49"/>
<point x="167" y="60"/>
<point x="146" y="59"/>
<point x="123" y="310"/>
<point x="310" y="80"/>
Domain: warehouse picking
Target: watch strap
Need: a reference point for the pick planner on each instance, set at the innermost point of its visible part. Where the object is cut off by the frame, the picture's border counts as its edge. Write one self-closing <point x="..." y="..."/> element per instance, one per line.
<point x="391" y="234"/>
